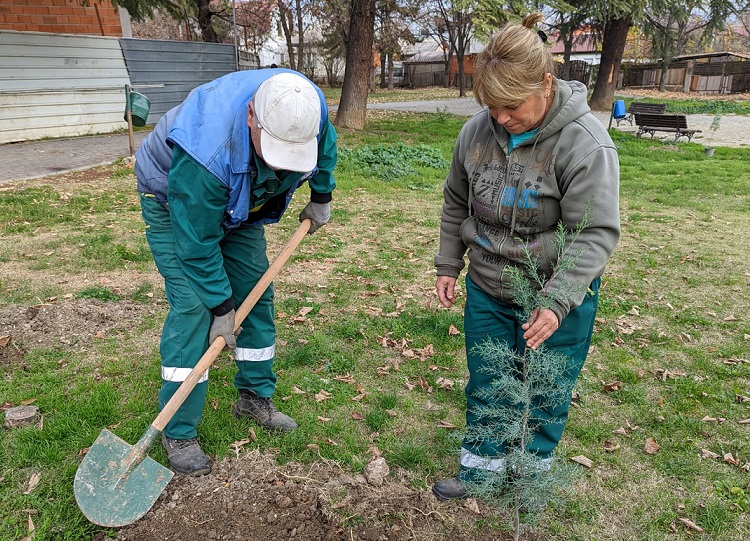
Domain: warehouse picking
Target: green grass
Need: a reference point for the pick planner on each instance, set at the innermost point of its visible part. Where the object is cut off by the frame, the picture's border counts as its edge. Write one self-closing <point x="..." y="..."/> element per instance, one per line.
<point x="672" y="328"/>
<point x="698" y="107"/>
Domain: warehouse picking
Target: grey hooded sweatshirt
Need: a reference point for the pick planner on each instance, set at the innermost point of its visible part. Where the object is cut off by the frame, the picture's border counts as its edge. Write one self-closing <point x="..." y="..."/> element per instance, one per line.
<point x="498" y="204"/>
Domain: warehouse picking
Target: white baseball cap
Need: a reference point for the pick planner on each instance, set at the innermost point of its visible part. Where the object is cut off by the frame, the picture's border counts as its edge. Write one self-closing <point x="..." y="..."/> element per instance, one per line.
<point x="287" y="108"/>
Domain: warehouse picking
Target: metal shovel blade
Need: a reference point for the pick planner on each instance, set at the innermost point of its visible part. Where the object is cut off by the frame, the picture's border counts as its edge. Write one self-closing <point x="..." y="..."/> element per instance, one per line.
<point x="116" y="483"/>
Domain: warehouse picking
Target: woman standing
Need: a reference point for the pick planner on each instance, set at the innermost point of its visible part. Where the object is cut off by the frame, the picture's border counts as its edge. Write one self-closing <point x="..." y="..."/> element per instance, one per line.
<point x="535" y="157"/>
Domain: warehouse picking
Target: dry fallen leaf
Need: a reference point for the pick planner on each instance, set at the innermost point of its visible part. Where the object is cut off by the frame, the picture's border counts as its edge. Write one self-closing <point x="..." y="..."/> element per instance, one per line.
<point x="621" y="431"/>
<point x="357" y="417"/>
<point x="445" y="424"/>
<point x="32" y="528"/>
<point x="651" y="446"/>
<point x="322" y="395"/>
<point x="472" y="505"/>
<point x="690" y="524"/>
<point x="453" y="331"/>
<point x="444" y="383"/>
<point x="582" y="460"/>
<point x="297" y="390"/>
<point x="610" y="447"/>
<point x="705" y="453"/>
<point x="251" y="433"/>
<point x="359" y="397"/>
<point x="304" y="310"/>
<point x="612" y="387"/>
<point x="33" y="482"/>
<point x="331" y="442"/>
<point x="323" y="419"/>
<point x="729" y="459"/>
<point x="5" y="339"/>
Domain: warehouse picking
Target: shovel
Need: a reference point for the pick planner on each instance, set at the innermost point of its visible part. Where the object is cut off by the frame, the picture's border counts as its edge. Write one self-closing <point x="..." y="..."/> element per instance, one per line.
<point x="117" y="483"/>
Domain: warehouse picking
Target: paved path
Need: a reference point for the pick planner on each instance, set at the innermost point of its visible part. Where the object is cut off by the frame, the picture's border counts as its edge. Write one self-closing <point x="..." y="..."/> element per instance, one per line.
<point x="734" y="130"/>
<point x="21" y="161"/>
<point x="35" y="159"/>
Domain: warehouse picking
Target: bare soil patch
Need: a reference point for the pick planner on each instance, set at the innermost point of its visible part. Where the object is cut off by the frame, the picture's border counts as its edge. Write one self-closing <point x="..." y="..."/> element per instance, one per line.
<point x="250" y="497"/>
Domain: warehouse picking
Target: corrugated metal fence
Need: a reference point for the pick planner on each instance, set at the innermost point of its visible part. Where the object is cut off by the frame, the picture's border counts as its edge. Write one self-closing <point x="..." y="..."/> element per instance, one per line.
<point x="166" y="71"/>
<point x="55" y="85"/>
<point x="59" y="85"/>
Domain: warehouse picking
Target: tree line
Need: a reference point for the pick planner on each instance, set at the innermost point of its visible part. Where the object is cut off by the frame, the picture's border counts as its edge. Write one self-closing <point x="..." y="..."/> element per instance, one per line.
<point x="351" y="33"/>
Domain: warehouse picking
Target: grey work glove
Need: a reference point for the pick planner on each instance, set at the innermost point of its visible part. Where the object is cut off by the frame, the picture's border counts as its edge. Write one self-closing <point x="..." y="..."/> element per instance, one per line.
<point x="224" y="326"/>
<point x="319" y="214"/>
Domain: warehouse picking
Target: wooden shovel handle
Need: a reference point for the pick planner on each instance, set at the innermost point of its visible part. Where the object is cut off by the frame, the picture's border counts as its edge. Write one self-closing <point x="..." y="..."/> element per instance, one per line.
<point x="215" y="348"/>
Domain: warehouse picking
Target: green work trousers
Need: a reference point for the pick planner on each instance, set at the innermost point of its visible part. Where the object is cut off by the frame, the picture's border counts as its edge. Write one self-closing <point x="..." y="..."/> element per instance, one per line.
<point x="486" y="317"/>
<point x="184" y="336"/>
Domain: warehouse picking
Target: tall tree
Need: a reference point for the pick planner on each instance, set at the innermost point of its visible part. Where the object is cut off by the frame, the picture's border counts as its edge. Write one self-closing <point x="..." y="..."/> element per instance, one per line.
<point x="567" y="20"/>
<point x="353" y="105"/>
<point x="333" y="16"/>
<point x="458" y="21"/>
<point x="434" y="26"/>
<point x="254" y="22"/>
<point x="392" y="22"/>
<point x="670" y="24"/>
<point x="615" y="36"/>
<point x="294" y="19"/>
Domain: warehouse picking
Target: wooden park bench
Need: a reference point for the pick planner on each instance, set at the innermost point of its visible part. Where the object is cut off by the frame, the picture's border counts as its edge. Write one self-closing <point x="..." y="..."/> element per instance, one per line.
<point x="640" y="107"/>
<point x="652" y="123"/>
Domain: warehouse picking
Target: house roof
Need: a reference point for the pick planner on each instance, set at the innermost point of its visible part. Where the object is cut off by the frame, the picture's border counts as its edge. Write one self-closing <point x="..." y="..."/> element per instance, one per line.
<point x="583" y="42"/>
<point x="426" y="58"/>
<point x="744" y="56"/>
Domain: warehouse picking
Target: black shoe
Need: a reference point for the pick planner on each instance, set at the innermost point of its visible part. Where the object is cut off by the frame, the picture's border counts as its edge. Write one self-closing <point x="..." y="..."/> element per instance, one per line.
<point x="263" y="411"/>
<point x="186" y="456"/>
<point x="450" y="489"/>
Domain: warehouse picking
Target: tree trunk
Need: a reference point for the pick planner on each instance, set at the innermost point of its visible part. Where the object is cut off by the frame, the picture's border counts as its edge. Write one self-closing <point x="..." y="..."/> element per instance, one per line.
<point x="390" y="72"/>
<point x="447" y="73"/>
<point x="567" y="39"/>
<point x="383" y="80"/>
<point x="353" y="105"/>
<point x="663" y="75"/>
<point x="301" y="40"/>
<point x="204" y="21"/>
<point x="287" y="27"/>
<point x="461" y="78"/>
<point x="615" y="36"/>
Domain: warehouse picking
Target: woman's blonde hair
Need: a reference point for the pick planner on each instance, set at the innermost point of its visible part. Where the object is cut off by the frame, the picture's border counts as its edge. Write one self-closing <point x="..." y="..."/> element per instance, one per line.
<point x="513" y="65"/>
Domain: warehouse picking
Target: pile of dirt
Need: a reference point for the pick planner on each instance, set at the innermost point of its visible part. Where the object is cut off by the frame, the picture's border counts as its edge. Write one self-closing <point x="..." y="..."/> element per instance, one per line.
<point x="251" y="498"/>
<point x="70" y="324"/>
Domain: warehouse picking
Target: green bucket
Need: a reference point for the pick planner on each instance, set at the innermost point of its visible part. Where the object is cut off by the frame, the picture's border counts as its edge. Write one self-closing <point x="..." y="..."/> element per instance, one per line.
<point x="139" y="106"/>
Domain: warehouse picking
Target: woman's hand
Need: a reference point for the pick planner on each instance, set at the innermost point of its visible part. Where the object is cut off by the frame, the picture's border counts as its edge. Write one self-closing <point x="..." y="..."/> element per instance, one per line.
<point x="446" y="290"/>
<point x="542" y="324"/>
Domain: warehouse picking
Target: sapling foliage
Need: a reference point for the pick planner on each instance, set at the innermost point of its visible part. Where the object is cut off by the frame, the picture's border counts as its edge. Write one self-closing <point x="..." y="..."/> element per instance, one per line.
<point x="525" y="386"/>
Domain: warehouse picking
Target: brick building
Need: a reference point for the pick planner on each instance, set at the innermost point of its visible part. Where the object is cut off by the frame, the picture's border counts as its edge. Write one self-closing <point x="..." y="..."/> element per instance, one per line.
<point x="98" y="17"/>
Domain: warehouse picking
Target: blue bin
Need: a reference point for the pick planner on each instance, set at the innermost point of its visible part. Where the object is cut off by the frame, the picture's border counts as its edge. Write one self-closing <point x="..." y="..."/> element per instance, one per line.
<point x="618" y="109"/>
